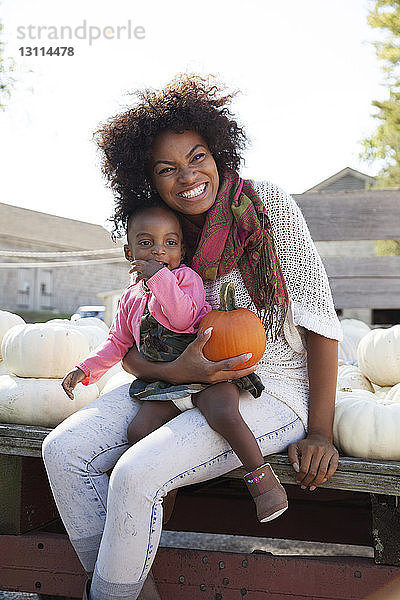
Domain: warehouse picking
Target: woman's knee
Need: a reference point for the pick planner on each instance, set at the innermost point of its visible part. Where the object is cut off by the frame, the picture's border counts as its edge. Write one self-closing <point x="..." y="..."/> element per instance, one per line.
<point x="131" y="474"/>
<point x="142" y="468"/>
<point x="56" y="449"/>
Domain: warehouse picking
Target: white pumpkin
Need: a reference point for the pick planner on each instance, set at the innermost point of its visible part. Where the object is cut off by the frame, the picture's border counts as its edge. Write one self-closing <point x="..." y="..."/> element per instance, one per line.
<point x="40" y="350"/>
<point x="104" y="379"/>
<point x="90" y="322"/>
<point x="40" y="402"/>
<point x="392" y="394"/>
<point x="59" y="322"/>
<point x="8" y="320"/>
<point x="94" y="334"/>
<point x="379" y="356"/>
<point x="367" y="427"/>
<point x="350" y="377"/>
<point x="116" y="381"/>
<point x="3" y="369"/>
<point x="354" y="327"/>
<point x="381" y="392"/>
<point x="353" y="331"/>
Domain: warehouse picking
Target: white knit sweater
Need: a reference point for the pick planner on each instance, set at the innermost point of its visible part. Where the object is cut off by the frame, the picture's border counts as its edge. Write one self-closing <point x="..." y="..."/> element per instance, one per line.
<point x="283" y="367"/>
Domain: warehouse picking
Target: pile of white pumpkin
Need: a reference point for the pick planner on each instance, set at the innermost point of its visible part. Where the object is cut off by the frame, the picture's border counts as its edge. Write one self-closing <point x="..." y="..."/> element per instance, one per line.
<point x="367" y="411"/>
<point x="34" y="358"/>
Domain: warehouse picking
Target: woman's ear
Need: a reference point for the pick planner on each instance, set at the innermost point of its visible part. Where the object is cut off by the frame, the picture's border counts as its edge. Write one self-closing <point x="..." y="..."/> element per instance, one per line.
<point x="128" y="253"/>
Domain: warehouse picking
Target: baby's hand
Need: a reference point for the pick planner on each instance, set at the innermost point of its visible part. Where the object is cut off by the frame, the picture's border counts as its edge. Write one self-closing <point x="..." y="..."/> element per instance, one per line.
<point x="71" y="380"/>
<point x="145" y="268"/>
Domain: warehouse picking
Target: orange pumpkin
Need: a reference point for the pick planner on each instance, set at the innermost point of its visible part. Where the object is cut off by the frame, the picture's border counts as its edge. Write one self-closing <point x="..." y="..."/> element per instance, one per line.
<point x="235" y="331"/>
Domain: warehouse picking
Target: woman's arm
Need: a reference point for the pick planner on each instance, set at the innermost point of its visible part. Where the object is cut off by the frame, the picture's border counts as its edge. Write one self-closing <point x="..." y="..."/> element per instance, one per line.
<point x="319" y="458"/>
<point x="191" y="366"/>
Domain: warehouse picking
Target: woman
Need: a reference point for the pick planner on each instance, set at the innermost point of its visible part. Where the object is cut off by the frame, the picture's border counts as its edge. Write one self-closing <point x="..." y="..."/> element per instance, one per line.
<point x="183" y="143"/>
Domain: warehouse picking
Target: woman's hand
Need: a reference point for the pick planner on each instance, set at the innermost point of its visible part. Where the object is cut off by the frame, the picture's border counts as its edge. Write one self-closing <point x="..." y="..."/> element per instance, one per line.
<point x="314" y="459"/>
<point x="191" y="366"/>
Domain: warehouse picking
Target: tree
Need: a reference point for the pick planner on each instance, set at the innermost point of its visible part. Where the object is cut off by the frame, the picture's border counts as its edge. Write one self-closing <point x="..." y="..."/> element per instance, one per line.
<point x="384" y="144"/>
<point x="7" y="66"/>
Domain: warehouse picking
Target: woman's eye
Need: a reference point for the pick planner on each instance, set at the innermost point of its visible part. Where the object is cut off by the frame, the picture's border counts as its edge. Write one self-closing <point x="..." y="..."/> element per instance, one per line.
<point x="199" y="156"/>
<point x="165" y="171"/>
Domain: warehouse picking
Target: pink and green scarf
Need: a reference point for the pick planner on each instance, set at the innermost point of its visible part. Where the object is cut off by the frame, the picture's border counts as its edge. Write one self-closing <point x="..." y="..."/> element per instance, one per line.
<point x="237" y="233"/>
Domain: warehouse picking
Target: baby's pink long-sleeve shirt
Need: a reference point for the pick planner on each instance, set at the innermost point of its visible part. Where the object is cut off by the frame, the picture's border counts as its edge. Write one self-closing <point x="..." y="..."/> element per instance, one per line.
<point x="176" y="300"/>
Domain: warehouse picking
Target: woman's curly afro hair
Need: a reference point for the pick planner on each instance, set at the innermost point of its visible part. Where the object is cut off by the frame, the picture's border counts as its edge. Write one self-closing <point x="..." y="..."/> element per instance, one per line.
<point x="188" y="102"/>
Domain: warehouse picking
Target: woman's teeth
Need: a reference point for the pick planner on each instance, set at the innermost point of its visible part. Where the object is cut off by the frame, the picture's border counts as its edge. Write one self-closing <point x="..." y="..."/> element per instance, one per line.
<point x="193" y="193"/>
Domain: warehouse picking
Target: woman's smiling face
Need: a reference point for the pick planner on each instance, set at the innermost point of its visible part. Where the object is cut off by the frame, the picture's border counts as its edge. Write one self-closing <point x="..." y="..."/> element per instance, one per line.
<point x="184" y="172"/>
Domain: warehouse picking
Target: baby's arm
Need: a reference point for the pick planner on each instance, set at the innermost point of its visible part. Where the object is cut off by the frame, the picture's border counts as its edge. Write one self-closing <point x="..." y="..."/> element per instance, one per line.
<point x="71" y="380"/>
<point x="181" y="296"/>
<point x="119" y="341"/>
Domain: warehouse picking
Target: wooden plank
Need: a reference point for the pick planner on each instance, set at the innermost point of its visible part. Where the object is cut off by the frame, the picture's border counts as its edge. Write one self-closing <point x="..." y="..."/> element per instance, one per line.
<point x="37" y="503"/>
<point x="31" y="432"/>
<point x="21" y="447"/>
<point x="350" y="463"/>
<point x="357" y="482"/>
<point x="386" y="529"/>
<point x="358" y="475"/>
<point x="10" y="500"/>
<point x="47" y="564"/>
<point x="24" y="440"/>
<point x="363" y="475"/>
<point x="26" y="501"/>
<point x="363" y="215"/>
<point x="367" y="282"/>
<point x="381" y="268"/>
<point x="225" y="507"/>
<point x="366" y="293"/>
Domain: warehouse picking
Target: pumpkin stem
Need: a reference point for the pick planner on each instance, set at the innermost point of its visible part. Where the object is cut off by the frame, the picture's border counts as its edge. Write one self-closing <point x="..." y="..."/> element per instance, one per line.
<point x="227" y="297"/>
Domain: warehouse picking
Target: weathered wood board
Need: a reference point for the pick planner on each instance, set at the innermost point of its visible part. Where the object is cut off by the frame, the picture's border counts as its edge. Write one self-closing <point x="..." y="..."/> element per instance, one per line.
<point x="354" y="474"/>
<point x="352" y="215"/>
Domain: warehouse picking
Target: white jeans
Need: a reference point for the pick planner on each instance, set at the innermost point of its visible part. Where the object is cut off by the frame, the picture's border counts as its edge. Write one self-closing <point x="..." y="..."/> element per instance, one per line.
<point x="116" y="523"/>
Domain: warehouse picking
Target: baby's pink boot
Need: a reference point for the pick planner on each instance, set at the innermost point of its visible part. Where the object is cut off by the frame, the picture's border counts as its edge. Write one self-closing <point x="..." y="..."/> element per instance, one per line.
<point x="268" y="493"/>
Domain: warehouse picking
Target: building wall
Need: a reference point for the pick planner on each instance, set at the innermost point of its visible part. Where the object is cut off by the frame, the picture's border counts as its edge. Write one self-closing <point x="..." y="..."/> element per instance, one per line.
<point x="357" y="248"/>
<point x="57" y="289"/>
<point x="348" y="182"/>
<point x="346" y="248"/>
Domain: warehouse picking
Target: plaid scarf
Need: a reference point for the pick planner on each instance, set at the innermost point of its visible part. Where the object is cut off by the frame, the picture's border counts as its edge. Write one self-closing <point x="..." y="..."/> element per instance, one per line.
<point x="237" y="233"/>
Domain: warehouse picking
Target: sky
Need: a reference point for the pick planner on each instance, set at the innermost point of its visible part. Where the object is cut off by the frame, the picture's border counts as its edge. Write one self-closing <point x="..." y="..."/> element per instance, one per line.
<point x="306" y="71"/>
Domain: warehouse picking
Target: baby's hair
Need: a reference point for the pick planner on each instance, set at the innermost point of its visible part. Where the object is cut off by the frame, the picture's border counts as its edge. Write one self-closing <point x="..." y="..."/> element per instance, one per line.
<point x="155" y="202"/>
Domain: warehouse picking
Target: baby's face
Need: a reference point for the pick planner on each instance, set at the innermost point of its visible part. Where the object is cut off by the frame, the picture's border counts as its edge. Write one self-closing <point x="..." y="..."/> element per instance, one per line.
<point x="156" y="234"/>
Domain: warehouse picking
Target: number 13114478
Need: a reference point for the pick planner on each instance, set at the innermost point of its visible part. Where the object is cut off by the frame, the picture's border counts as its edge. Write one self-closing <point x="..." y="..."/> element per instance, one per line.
<point x="43" y="51"/>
